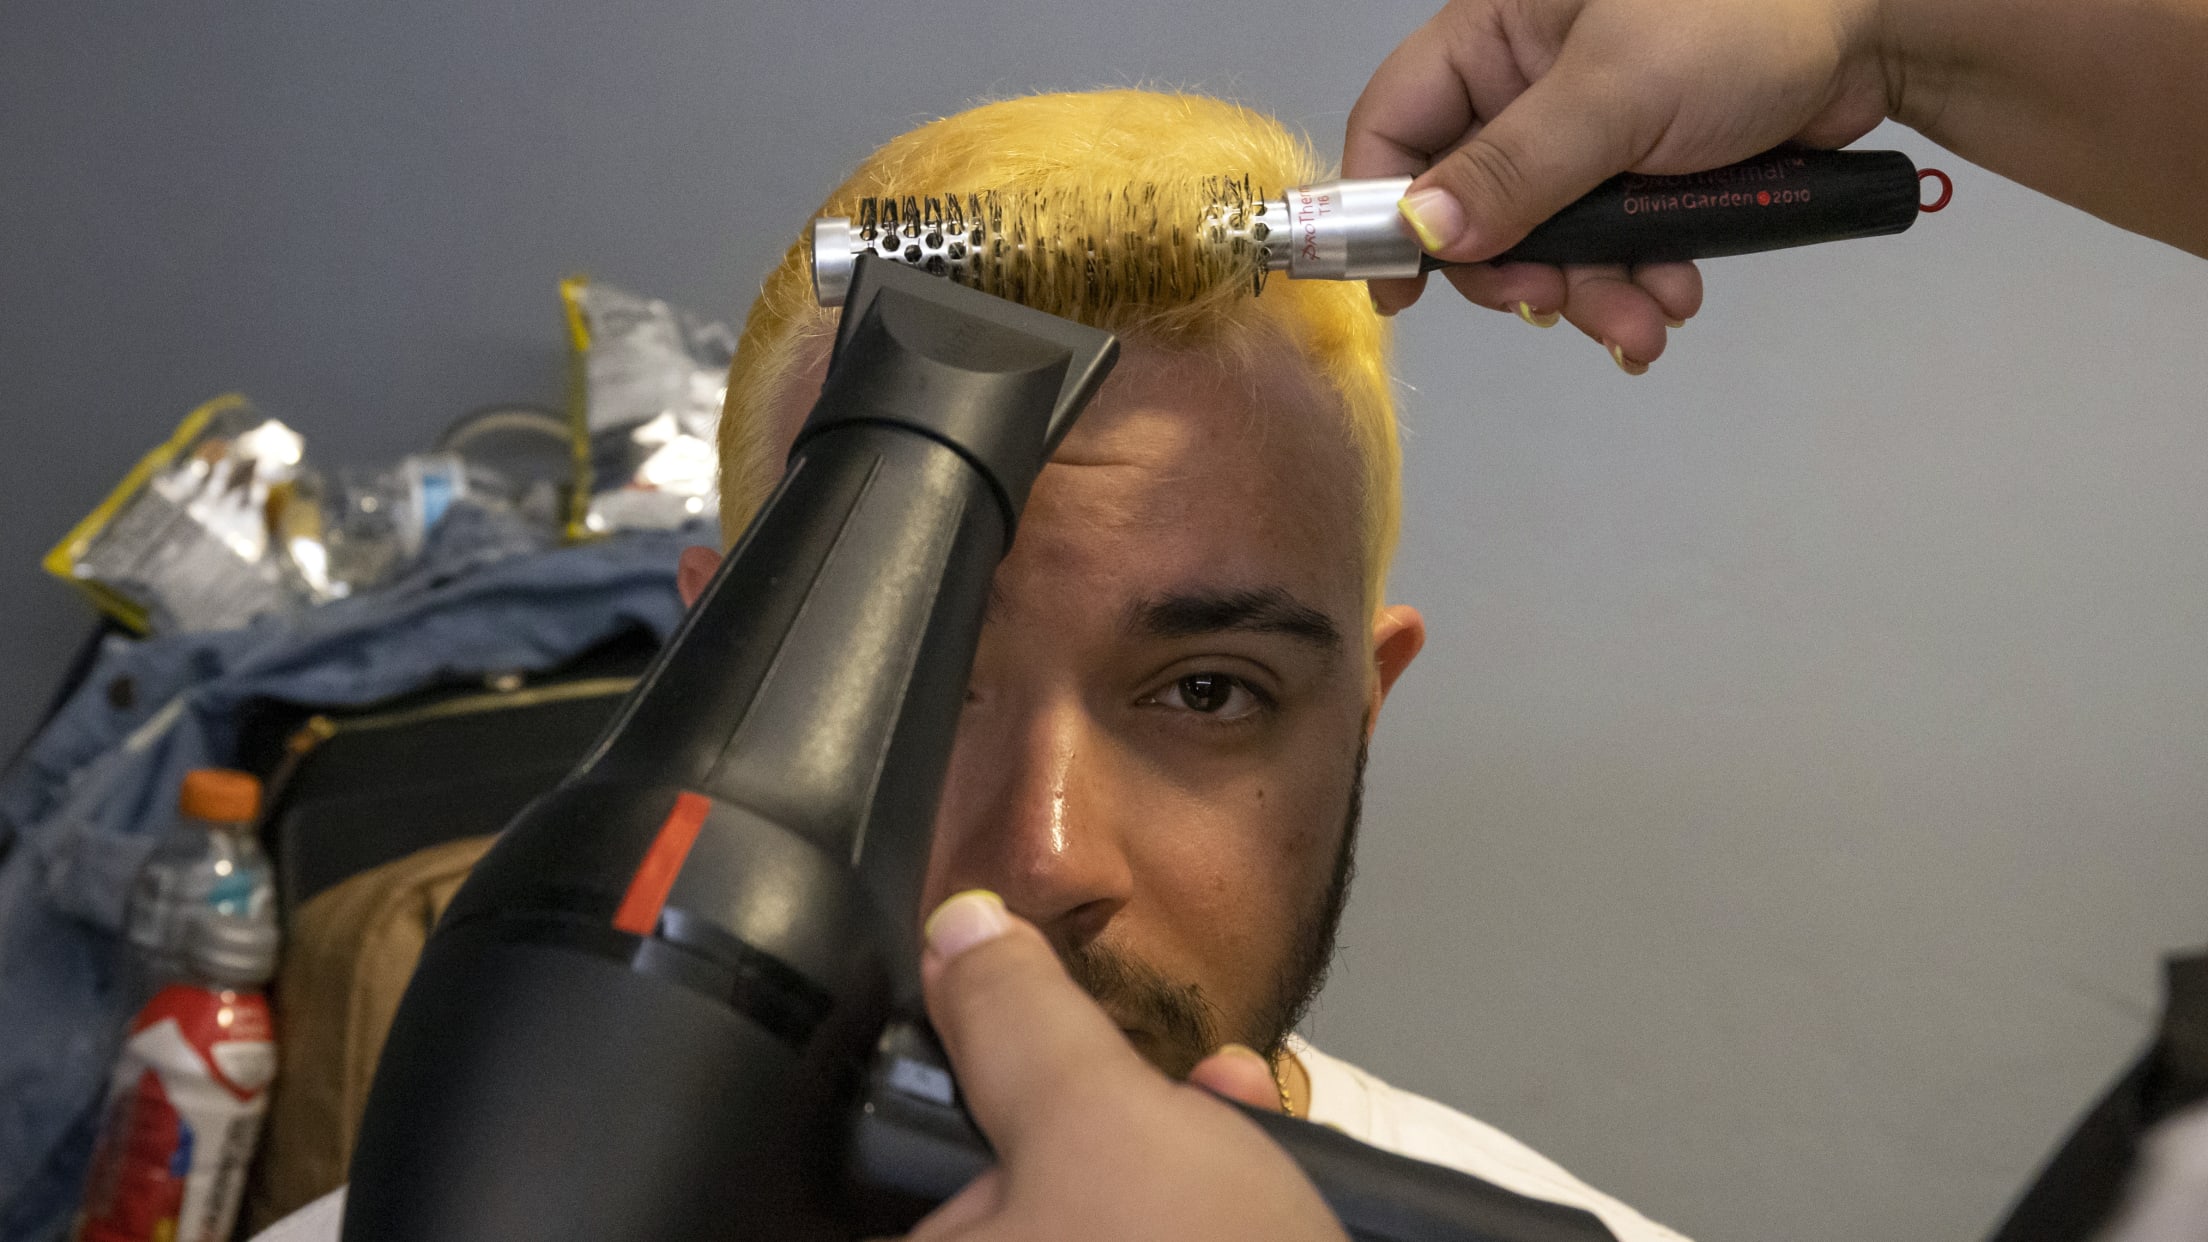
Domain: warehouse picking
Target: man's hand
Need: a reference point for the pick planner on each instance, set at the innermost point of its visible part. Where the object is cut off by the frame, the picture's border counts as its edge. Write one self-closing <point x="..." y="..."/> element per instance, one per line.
<point x="1510" y="109"/>
<point x="1092" y="1142"/>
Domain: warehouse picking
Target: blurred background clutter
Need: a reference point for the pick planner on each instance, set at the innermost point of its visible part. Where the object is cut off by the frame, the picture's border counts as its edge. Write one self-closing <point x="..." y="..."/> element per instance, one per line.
<point x="402" y="654"/>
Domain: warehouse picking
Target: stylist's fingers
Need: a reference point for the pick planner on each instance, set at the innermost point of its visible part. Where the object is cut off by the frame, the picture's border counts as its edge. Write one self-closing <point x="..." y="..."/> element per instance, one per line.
<point x="1677" y="288"/>
<point x="1092" y="1143"/>
<point x="1628" y="308"/>
<point x="1417" y="103"/>
<point x="1620" y="315"/>
<point x="1552" y="144"/>
<point x="1532" y="291"/>
<point x="963" y="1213"/>
<point x="1239" y="1074"/>
<point x="1028" y="1043"/>
<point x="1390" y="296"/>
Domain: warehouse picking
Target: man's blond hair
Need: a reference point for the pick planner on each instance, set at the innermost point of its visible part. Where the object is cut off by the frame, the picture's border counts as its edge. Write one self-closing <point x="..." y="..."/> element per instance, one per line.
<point x="1088" y="147"/>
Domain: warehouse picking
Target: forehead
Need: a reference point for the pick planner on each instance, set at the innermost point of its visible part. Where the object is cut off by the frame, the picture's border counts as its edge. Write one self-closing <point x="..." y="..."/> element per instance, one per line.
<point x="1190" y="471"/>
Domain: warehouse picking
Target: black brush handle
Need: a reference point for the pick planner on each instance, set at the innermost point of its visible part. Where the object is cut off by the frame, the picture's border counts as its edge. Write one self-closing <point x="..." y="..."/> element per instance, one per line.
<point x="1778" y="199"/>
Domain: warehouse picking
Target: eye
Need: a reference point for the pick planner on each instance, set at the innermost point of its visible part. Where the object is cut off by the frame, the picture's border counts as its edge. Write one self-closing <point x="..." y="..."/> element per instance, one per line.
<point x="1218" y="695"/>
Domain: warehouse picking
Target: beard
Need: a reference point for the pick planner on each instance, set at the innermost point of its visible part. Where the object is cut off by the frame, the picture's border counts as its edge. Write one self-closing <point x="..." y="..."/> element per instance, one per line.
<point x="1184" y="1025"/>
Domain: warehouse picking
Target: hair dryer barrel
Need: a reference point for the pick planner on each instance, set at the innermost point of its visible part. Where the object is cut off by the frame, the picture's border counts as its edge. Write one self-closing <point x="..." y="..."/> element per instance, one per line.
<point x="643" y="1015"/>
<point x="647" y="1013"/>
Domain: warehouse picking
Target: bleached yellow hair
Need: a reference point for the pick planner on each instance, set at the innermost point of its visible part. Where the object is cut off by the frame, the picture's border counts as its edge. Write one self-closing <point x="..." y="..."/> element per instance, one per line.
<point x="1087" y="146"/>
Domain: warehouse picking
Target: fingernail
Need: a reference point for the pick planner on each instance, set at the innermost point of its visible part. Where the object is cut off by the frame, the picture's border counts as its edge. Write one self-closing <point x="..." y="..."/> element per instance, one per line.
<point x="1243" y="1051"/>
<point x="1525" y="312"/>
<point x="1434" y="215"/>
<point x="1374" y="298"/>
<point x="1625" y="364"/>
<point x="964" y="920"/>
<point x="1669" y="322"/>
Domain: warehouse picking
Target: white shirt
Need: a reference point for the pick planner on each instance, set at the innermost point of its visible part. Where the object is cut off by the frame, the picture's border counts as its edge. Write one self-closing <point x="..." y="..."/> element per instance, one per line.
<point x="1342" y="1096"/>
<point x="2167" y="1200"/>
<point x="1390" y="1118"/>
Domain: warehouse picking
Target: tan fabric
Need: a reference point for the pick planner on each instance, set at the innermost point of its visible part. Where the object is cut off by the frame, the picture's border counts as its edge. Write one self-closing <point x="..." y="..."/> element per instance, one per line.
<point x="352" y="948"/>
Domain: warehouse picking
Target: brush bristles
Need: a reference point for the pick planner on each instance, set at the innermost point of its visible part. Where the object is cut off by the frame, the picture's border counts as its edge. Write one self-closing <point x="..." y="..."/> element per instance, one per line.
<point x="1076" y="249"/>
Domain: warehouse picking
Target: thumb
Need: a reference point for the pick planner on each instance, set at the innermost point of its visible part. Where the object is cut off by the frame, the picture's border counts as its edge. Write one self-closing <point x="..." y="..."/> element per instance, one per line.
<point x="1562" y="137"/>
<point x="1238" y="1073"/>
<point x="1029" y="1045"/>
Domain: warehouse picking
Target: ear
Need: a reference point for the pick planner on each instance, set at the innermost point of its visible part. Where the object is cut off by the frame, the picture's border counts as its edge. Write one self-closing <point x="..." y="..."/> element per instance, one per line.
<point x="1398" y="632"/>
<point x="693" y="571"/>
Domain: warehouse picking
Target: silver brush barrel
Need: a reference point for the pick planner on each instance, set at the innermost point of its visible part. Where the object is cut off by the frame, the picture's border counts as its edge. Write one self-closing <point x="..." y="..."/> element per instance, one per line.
<point x="940" y="236"/>
<point x="1333" y="230"/>
<point x="1343" y="230"/>
<point x="836" y="251"/>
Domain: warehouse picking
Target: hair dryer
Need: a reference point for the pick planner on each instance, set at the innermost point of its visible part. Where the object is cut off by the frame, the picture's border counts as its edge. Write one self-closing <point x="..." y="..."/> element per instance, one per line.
<point x="679" y="998"/>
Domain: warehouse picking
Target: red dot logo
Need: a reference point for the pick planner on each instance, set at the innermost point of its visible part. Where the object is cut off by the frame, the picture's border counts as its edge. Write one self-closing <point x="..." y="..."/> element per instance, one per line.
<point x="1763" y="198"/>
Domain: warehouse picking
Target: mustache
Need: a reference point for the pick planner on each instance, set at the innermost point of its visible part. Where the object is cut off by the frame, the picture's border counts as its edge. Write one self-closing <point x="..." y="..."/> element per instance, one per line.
<point x="1184" y="1024"/>
<point x="1179" y="1014"/>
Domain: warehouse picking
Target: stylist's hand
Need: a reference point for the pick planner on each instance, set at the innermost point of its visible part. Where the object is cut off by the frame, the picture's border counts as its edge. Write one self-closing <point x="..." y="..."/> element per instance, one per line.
<point x="1510" y="109"/>
<point x="1092" y="1143"/>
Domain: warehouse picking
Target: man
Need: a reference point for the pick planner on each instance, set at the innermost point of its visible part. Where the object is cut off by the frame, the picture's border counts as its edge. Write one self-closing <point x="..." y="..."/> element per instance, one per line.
<point x="1506" y="110"/>
<point x="1187" y="648"/>
<point x="1160" y="759"/>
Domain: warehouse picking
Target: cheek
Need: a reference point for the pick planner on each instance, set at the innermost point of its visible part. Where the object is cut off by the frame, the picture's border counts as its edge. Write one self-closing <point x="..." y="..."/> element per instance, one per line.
<point x="1243" y="861"/>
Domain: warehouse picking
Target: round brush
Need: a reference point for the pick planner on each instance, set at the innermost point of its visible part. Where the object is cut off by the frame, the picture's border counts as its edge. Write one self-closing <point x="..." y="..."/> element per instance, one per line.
<point x="1090" y="247"/>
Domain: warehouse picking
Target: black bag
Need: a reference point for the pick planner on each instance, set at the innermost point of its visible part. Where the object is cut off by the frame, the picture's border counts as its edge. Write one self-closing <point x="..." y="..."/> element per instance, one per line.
<point x="352" y="790"/>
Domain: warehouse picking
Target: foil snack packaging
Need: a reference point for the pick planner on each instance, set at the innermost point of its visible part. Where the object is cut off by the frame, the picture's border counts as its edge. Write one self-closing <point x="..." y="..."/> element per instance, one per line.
<point x="208" y="531"/>
<point x="648" y="382"/>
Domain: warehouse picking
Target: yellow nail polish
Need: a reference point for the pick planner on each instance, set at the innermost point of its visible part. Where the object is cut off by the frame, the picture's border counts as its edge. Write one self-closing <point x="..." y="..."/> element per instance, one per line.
<point x="1426" y="236"/>
<point x="1433" y="215"/>
<point x="1669" y="322"/>
<point x="963" y="920"/>
<point x="1625" y="364"/>
<point x="1525" y="312"/>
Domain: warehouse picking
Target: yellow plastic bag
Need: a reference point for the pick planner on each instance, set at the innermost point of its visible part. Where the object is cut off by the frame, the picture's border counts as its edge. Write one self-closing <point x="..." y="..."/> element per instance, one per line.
<point x="648" y="382"/>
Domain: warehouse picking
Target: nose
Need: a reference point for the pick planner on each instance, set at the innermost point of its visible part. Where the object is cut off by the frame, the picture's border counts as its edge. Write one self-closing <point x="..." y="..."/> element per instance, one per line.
<point x="1027" y="812"/>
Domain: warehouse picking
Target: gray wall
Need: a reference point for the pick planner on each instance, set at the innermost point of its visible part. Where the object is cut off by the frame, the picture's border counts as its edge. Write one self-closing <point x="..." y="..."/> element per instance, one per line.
<point x="1805" y="771"/>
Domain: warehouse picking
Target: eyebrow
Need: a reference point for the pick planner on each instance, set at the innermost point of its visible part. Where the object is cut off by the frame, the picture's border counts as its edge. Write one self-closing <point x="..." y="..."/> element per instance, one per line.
<point x="1265" y="610"/>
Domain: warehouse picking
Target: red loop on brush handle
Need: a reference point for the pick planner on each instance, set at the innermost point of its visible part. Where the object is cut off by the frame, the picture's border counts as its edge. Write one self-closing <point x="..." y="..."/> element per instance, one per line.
<point x="1947" y="190"/>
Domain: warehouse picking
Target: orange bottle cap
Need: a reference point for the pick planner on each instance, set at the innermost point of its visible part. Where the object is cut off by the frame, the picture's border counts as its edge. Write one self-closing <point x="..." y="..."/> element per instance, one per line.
<point x="220" y="794"/>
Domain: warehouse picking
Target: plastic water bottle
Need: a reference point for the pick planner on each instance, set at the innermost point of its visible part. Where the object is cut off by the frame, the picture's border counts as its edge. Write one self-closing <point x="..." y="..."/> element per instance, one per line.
<point x="189" y="1093"/>
<point x="210" y="861"/>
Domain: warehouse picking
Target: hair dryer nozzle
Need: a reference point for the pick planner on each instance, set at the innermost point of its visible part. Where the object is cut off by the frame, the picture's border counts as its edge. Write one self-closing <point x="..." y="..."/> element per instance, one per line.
<point x="950" y="363"/>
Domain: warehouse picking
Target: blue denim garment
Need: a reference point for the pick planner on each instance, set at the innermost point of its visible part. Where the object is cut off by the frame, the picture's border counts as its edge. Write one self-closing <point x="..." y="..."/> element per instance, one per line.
<point x="94" y="790"/>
